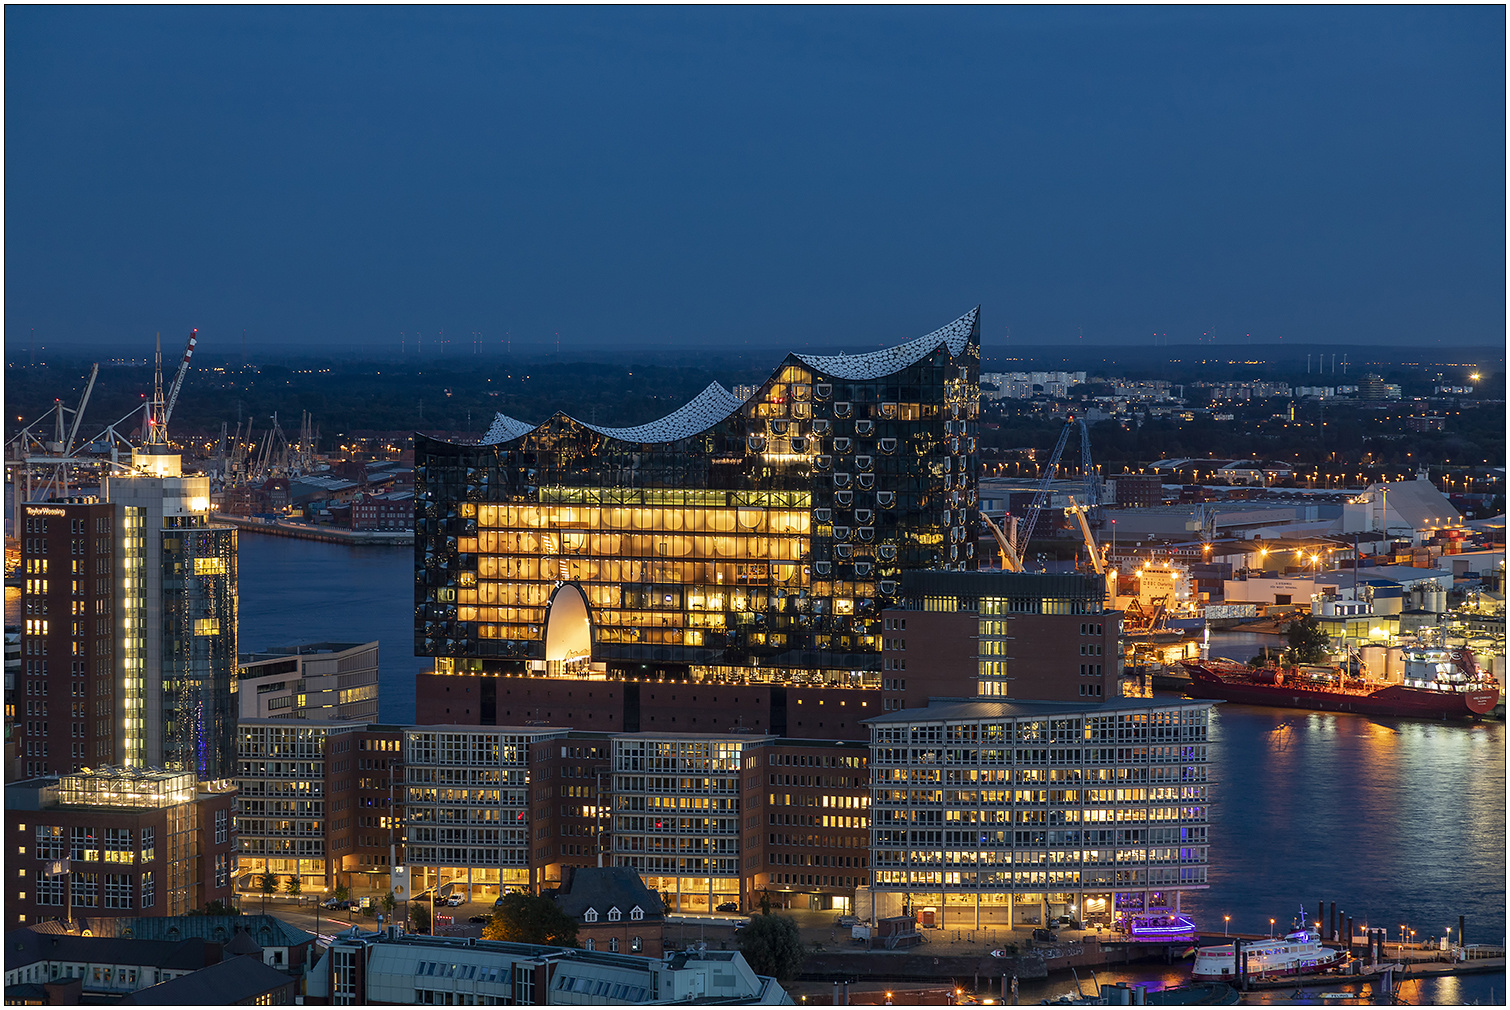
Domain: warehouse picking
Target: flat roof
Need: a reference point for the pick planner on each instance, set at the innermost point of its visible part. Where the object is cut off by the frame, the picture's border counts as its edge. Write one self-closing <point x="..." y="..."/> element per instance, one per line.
<point x="958" y="709"/>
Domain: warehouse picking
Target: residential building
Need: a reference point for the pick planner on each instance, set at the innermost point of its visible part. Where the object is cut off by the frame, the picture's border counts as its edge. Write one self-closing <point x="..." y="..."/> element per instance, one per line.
<point x="322" y="680"/>
<point x="236" y="981"/>
<point x="1013" y="812"/>
<point x="117" y="842"/>
<point x="374" y="969"/>
<point x="96" y="969"/>
<point x="613" y="909"/>
<point x="736" y="543"/>
<point x="176" y="634"/>
<point x="67" y="688"/>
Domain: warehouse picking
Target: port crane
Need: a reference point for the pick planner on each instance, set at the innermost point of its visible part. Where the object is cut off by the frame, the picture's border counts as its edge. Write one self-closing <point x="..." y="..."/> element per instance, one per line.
<point x="1051" y="469"/>
<point x="161" y="408"/>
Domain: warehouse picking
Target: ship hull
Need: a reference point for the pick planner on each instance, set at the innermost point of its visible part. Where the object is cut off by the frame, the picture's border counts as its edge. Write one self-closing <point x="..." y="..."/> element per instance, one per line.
<point x="1393" y="700"/>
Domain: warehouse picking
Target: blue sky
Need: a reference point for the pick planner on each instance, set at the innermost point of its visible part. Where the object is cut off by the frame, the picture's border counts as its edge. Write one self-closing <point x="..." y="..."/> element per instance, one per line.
<point x="332" y="177"/>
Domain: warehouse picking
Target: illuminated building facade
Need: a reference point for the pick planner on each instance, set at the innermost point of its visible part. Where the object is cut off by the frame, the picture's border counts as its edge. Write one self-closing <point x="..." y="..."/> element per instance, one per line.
<point x="117" y="842"/>
<point x="1014" y="813"/>
<point x="176" y="640"/>
<point x="734" y="541"/>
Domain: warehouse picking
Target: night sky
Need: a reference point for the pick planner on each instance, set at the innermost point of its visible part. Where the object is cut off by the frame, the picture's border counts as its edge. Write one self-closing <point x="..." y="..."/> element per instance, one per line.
<point x="781" y="178"/>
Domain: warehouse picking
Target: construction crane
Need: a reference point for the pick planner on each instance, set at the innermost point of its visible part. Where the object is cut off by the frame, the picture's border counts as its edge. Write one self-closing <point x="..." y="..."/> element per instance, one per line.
<point x="1009" y="560"/>
<point x="1041" y="496"/>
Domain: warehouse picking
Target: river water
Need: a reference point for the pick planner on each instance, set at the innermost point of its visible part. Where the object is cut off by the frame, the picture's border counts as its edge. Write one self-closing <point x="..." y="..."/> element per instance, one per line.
<point x="1396" y="820"/>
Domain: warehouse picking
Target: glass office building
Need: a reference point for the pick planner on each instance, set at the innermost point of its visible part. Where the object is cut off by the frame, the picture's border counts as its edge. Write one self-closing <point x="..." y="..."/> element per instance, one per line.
<point x="734" y="540"/>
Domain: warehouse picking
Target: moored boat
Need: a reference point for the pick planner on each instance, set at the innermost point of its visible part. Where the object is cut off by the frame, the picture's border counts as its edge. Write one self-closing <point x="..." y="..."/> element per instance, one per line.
<point x="1432" y="688"/>
<point x="1297" y="953"/>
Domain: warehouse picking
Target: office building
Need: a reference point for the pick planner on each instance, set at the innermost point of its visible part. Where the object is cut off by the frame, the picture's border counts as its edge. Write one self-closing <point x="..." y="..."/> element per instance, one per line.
<point x="1014" y="813"/>
<point x="747" y="543"/>
<point x="324" y="681"/>
<point x="114" y="842"/>
<point x="298" y="785"/>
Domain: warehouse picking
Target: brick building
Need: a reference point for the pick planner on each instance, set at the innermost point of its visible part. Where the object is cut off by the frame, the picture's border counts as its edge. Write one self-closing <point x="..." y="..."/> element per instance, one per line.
<point x="66" y="689"/>
<point x="112" y="843"/>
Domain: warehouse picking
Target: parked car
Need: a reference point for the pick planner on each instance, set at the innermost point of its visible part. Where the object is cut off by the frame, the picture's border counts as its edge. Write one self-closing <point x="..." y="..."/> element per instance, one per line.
<point x="1045" y="935"/>
<point x="454" y="899"/>
<point x="729" y="906"/>
<point x="478" y="918"/>
<point x="333" y="903"/>
<point x="847" y="920"/>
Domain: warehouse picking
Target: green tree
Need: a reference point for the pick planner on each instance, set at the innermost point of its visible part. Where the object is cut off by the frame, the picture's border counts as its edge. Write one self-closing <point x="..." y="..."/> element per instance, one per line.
<point x="531" y="918"/>
<point x="293" y="885"/>
<point x="1308" y="641"/>
<point x="268" y="884"/>
<point x="419" y="916"/>
<point x="388" y="904"/>
<point x="772" y="946"/>
<point x="765" y="902"/>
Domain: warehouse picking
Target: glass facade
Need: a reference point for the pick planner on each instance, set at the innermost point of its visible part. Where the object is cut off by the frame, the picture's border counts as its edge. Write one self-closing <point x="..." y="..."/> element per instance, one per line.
<point x="1020" y="812"/>
<point x="199" y="647"/>
<point x="676" y="817"/>
<point x="754" y="539"/>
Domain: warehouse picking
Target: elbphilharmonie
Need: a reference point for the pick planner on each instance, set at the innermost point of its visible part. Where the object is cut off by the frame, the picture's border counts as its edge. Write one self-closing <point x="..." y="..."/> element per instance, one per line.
<point x="736" y="539"/>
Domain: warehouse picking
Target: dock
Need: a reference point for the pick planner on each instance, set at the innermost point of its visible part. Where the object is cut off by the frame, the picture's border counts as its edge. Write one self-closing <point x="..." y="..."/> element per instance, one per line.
<point x="325" y="534"/>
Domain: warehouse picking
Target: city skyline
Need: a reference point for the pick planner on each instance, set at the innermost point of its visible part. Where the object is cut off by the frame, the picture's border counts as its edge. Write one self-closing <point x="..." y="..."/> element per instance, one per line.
<point x="531" y="180"/>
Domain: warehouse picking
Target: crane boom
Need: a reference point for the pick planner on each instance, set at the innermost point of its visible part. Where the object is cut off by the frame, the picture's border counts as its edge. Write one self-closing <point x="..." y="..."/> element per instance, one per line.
<point x="1087" y="468"/>
<point x="1009" y="559"/>
<point x="1041" y="497"/>
<point x="78" y="415"/>
<point x="178" y="380"/>
<point x="1079" y="511"/>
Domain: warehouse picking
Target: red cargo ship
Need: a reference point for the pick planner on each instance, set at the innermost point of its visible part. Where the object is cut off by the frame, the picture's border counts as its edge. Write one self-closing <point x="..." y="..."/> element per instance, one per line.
<point x="1433" y="687"/>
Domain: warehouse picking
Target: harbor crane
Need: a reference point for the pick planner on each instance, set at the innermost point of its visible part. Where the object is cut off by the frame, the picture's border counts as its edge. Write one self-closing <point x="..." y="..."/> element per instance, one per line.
<point x="1092" y="490"/>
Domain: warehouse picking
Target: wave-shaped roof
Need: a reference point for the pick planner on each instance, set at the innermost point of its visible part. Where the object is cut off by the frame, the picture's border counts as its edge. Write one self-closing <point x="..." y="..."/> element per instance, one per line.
<point x="715" y="402"/>
<point x="506" y="428"/>
<point x="892" y="359"/>
<point x="700" y="413"/>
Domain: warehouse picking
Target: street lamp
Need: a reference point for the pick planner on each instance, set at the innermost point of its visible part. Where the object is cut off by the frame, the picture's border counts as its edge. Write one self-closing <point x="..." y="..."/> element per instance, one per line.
<point x="1402" y="939"/>
<point x="1226" y="922"/>
<point x="1271" y="928"/>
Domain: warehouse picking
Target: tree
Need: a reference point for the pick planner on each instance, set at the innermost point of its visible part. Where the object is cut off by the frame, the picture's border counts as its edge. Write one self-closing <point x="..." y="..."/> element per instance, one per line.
<point x="217" y="907"/>
<point x="293" y="885"/>
<point x="1308" y="641"/>
<point x="531" y="918"/>
<point x="388" y="904"/>
<point x="268" y="883"/>
<point x="765" y="902"/>
<point x="419" y="916"/>
<point x="772" y="946"/>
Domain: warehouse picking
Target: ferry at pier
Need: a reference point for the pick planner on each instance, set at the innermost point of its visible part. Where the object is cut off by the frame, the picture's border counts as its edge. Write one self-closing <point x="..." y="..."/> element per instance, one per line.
<point x="1297" y="953"/>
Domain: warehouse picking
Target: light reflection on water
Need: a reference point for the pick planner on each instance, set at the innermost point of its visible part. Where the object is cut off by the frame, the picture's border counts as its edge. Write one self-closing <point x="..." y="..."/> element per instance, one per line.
<point x="1395" y="820"/>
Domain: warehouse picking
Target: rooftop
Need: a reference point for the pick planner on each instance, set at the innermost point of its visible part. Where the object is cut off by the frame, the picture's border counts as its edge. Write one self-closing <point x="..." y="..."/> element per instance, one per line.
<point x="964" y="709"/>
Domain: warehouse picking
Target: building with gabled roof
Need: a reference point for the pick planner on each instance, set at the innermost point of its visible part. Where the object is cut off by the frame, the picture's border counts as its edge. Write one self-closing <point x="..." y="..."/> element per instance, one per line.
<point x="1413" y="508"/>
<point x="236" y="981"/>
<point x="613" y="909"/>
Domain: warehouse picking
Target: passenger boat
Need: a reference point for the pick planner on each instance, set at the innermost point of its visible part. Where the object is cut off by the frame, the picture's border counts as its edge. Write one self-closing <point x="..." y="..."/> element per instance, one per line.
<point x="1161" y="927"/>
<point x="1297" y="953"/>
<point x="1435" y="685"/>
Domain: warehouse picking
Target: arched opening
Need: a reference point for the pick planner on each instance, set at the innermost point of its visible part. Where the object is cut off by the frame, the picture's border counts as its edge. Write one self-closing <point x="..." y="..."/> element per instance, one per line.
<point x="568" y="632"/>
